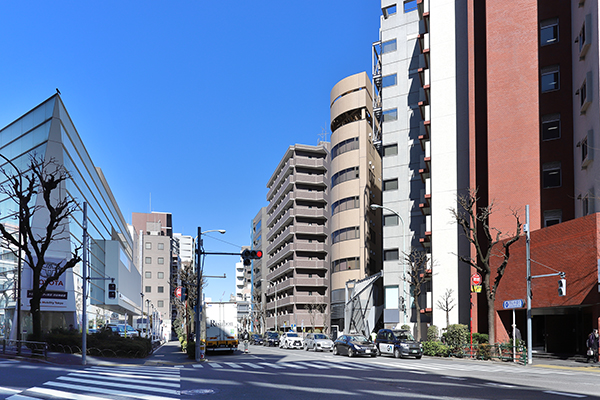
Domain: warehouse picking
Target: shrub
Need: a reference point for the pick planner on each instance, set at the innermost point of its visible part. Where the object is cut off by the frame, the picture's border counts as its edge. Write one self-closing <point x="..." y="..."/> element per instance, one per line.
<point x="483" y="350"/>
<point x="480" y="337"/>
<point x="405" y="327"/>
<point x="433" y="333"/>
<point x="435" y="348"/>
<point x="457" y="338"/>
<point x="191" y="349"/>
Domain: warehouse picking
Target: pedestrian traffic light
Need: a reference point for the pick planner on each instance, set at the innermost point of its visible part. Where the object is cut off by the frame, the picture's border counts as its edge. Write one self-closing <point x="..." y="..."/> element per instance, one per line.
<point x="248" y="255"/>
<point x="112" y="290"/>
<point x="562" y="287"/>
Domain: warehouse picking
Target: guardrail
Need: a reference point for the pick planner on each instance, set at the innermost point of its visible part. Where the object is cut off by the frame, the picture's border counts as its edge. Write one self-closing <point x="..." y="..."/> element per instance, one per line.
<point x="498" y="352"/>
<point x="25" y="348"/>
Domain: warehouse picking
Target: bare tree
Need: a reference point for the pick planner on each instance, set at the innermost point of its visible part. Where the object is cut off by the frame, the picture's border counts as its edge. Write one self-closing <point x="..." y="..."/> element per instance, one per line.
<point x="321" y="308"/>
<point x="416" y="275"/>
<point x="446" y="304"/>
<point x="188" y="278"/>
<point x="45" y="180"/>
<point x="472" y="219"/>
<point x="259" y="312"/>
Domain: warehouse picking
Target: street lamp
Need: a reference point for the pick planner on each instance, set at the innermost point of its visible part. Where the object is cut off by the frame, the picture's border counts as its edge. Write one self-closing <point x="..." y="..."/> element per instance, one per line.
<point x="20" y="249"/>
<point x="147" y="317"/>
<point x="375" y="207"/>
<point x="198" y="317"/>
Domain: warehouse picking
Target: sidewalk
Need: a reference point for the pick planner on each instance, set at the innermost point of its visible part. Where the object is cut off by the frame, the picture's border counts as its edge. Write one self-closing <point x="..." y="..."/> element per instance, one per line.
<point x="167" y="354"/>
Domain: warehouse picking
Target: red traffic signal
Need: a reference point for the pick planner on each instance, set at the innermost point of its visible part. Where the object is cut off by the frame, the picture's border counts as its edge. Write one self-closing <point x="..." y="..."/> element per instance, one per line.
<point x="248" y="255"/>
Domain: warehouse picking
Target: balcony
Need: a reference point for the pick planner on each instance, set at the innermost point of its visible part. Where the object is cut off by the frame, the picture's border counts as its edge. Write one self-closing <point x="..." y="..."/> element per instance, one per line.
<point x="310" y="229"/>
<point x="316" y="195"/>
<point x="285" y="219"/>
<point x="423" y="136"/>
<point x="311" y="212"/>
<point x="285" y="235"/>
<point x="317" y="163"/>
<point x="301" y="263"/>
<point x="318" y="179"/>
<point x="275" y="188"/>
<point x="275" y="208"/>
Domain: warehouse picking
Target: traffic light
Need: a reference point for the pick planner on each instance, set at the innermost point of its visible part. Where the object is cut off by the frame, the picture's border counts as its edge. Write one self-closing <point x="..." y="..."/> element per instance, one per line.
<point x="112" y="290"/>
<point x="562" y="287"/>
<point x="248" y="255"/>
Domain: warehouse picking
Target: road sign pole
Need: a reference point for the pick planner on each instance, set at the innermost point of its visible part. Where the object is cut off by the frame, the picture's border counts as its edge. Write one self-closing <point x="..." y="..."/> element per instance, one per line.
<point x="528" y="257"/>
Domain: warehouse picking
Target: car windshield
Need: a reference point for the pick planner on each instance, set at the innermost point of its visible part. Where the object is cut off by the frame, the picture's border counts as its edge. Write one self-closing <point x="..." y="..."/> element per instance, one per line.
<point x="292" y="335"/>
<point x="272" y="335"/>
<point x="404" y="335"/>
<point x="358" y="338"/>
<point x="320" y="336"/>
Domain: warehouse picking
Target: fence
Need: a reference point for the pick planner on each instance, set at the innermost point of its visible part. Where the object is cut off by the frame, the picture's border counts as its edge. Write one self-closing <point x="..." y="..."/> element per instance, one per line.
<point x="25" y="348"/>
<point x="498" y="352"/>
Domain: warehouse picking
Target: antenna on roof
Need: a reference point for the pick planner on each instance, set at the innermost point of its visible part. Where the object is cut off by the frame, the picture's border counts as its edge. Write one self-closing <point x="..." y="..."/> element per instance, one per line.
<point x="322" y="135"/>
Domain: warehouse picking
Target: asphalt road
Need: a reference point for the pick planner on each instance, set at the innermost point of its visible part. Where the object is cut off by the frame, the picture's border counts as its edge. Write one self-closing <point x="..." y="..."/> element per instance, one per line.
<point x="273" y="373"/>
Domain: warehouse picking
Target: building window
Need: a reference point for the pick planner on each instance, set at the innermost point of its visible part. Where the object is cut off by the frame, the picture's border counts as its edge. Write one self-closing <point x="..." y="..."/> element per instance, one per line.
<point x="345" y="234"/>
<point x="160" y="303"/>
<point x="390" y="150"/>
<point x="344" y="175"/>
<point x="584" y="150"/>
<point x="585" y="95"/>
<point x="345" y="264"/>
<point x="148" y="274"/>
<point x="390" y="115"/>
<point x="389" y="80"/>
<point x="345" y="204"/>
<point x="161" y="246"/>
<point x="148" y="260"/>
<point x="148" y="246"/>
<point x="161" y="289"/>
<point x="391" y="10"/>
<point x="551" y="127"/>
<point x="391" y="184"/>
<point x="552" y="217"/>
<point x="549" y="31"/>
<point x="160" y="275"/>
<point x="551" y="175"/>
<point x="550" y="79"/>
<point x="390" y="220"/>
<point x="585" y="36"/>
<point x="410" y="5"/>
<point x="344" y="146"/>
<point x="148" y="289"/>
<point x="391" y="255"/>
<point x="389" y="46"/>
<point x="160" y="260"/>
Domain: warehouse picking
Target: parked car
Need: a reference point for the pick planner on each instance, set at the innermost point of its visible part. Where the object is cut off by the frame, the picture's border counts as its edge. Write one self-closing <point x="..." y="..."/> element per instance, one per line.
<point x="256" y="339"/>
<point x="123" y="330"/>
<point x="290" y="340"/>
<point x="271" y="339"/>
<point x="399" y="343"/>
<point x="354" y="345"/>
<point x="318" y="342"/>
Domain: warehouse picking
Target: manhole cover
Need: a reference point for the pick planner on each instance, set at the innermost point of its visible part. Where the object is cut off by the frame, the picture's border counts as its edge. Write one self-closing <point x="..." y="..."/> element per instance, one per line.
<point x="199" y="391"/>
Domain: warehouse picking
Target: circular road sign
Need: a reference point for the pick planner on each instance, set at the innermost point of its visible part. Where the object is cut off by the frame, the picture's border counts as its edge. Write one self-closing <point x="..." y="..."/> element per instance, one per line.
<point x="476" y="279"/>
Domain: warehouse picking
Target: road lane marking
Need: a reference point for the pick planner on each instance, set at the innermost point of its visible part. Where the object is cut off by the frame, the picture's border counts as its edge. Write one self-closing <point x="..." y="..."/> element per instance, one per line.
<point x="565" y="394"/>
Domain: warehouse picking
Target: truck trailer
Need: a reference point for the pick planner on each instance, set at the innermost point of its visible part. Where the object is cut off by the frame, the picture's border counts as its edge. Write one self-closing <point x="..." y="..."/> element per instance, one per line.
<point x="221" y="326"/>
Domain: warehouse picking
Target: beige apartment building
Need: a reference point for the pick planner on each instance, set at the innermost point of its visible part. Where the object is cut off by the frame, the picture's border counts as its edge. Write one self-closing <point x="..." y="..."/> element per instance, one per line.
<point x="297" y="265"/>
<point x="355" y="184"/>
<point x="160" y="264"/>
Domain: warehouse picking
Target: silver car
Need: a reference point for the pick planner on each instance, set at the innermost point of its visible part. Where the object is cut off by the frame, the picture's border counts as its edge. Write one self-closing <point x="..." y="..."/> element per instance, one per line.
<point x="317" y="342"/>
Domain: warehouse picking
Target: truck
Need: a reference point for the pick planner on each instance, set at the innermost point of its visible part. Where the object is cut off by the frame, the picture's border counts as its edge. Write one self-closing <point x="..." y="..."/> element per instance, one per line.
<point x="221" y="326"/>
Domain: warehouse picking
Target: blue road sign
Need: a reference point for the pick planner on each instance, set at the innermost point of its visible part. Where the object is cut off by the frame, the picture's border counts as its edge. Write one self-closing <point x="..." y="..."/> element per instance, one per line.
<point x="508" y="304"/>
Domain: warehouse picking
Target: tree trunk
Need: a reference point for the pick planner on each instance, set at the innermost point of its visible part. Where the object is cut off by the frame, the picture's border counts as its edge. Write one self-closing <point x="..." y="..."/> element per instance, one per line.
<point x="491" y="320"/>
<point x="418" y="310"/>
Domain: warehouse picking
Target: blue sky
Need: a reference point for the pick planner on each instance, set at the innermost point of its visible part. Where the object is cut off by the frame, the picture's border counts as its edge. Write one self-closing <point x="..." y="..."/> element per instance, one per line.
<point x="187" y="106"/>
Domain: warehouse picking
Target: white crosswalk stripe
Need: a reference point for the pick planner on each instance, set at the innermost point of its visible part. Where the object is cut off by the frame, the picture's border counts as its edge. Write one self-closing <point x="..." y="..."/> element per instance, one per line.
<point x="252" y="365"/>
<point x="233" y="365"/>
<point x="121" y="382"/>
<point x="272" y="365"/>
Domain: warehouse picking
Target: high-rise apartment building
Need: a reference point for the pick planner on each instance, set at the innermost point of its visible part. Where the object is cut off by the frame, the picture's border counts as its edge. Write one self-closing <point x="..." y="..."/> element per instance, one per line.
<point x="296" y="256"/>
<point x="355" y="184"/>
<point x="160" y="263"/>
<point x="473" y="95"/>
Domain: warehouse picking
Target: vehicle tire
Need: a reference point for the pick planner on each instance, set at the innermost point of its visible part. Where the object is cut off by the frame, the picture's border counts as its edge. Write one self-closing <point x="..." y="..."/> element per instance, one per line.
<point x="335" y="351"/>
<point x="397" y="353"/>
<point x="350" y="352"/>
<point x="373" y="355"/>
<point x="418" y="357"/>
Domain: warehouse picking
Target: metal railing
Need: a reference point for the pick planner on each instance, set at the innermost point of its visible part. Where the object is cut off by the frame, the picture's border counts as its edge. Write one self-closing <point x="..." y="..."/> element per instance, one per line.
<point x="25" y="348"/>
<point x="498" y="352"/>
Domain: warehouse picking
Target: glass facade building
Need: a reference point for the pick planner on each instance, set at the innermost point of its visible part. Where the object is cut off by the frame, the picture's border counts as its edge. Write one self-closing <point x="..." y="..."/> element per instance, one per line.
<point x="48" y="133"/>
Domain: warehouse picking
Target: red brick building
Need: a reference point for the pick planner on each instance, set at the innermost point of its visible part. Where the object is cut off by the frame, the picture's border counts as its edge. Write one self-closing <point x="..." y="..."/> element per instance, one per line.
<point x="559" y="324"/>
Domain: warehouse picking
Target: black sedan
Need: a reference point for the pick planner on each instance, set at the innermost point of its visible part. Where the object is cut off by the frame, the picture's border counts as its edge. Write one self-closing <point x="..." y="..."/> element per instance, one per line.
<point x="271" y="339"/>
<point x="354" y="345"/>
<point x="256" y="339"/>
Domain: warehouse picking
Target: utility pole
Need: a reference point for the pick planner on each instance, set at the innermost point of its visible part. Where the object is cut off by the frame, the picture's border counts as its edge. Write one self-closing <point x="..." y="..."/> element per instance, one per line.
<point x="85" y="281"/>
